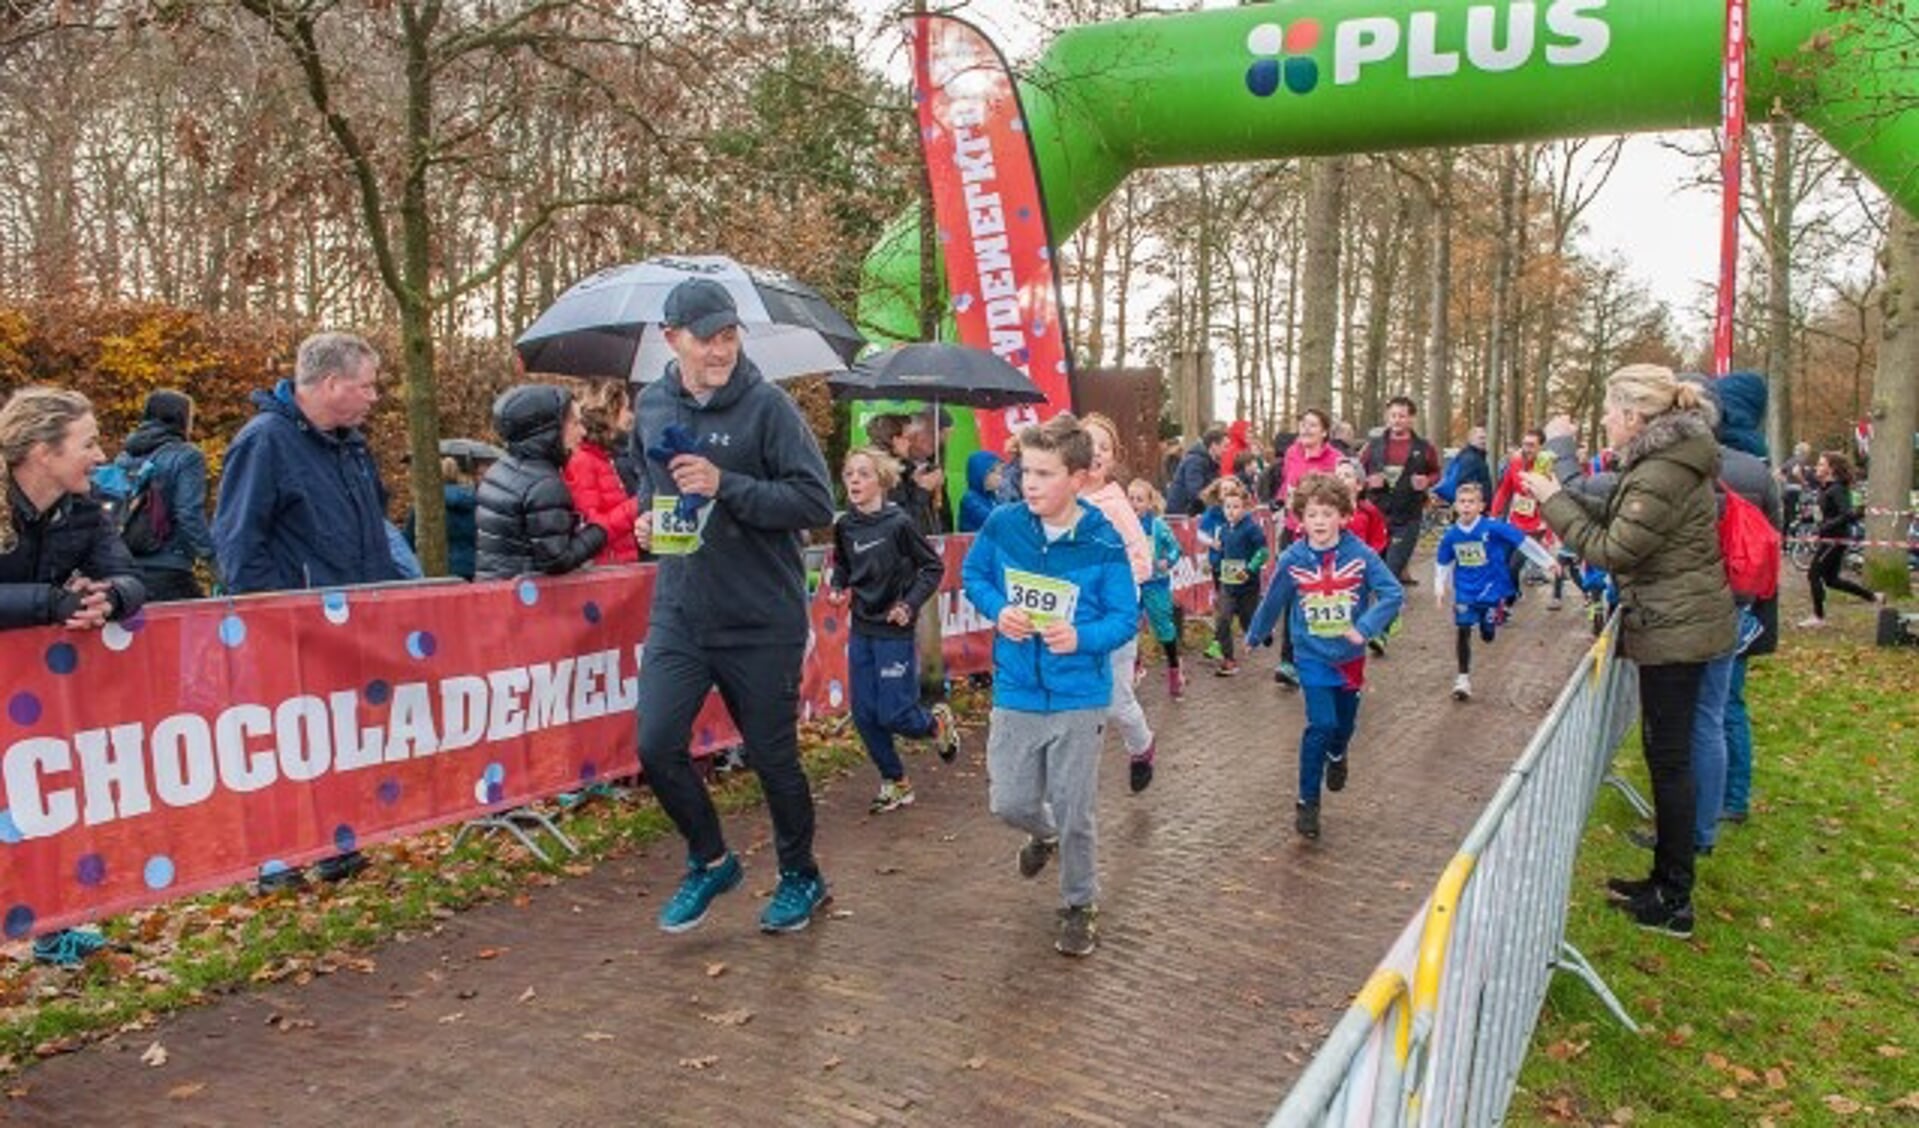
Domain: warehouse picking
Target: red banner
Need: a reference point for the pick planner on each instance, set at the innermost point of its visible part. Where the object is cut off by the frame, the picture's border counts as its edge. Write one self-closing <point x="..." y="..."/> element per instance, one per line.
<point x="990" y="213"/>
<point x="1733" y="113"/>
<point x="191" y="747"/>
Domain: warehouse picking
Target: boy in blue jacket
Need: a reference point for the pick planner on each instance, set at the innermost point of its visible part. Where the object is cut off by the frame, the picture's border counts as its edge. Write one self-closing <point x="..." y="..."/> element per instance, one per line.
<point x="1242" y="556"/>
<point x="1474" y="556"/>
<point x="1053" y="576"/>
<point x="1341" y="595"/>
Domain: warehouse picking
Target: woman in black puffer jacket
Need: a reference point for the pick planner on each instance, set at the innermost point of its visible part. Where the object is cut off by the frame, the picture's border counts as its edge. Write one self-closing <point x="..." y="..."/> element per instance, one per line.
<point x="526" y="519"/>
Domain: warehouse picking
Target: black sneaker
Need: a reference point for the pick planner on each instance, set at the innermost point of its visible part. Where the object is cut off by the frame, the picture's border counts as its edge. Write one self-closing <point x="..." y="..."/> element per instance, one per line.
<point x="1033" y="856"/>
<point x="1655" y="912"/>
<point x="340" y="866"/>
<point x="1336" y="774"/>
<point x="1139" y="774"/>
<point x="1306" y="819"/>
<point x="1078" y="931"/>
<point x="1624" y="890"/>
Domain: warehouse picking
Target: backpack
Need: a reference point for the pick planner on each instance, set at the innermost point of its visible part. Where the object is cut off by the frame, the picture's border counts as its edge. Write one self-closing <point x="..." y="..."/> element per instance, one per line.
<point x="134" y="504"/>
<point x="1751" y="547"/>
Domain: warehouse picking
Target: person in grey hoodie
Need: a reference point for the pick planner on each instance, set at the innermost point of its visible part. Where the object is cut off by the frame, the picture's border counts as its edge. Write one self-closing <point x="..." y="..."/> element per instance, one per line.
<point x="731" y="476"/>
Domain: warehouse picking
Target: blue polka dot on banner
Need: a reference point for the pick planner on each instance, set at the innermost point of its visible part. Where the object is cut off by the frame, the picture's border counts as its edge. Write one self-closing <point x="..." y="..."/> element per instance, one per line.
<point x="389" y="792"/>
<point x="377" y="692"/>
<point x="158" y="872"/>
<point x="962" y="302"/>
<point x="831" y="624"/>
<point x="115" y="637"/>
<point x="91" y="870"/>
<point x="233" y="630"/>
<point x="421" y="644"/>
<point x="19" y="922"/>
<point x="23" y="708"/>
<point x="591" y="611"/>
<point x="1024" y="213"/>
<point x="529" y="592"/>
<point x="1018" y="125"/>
<point x="589" y="772"/>
<point x="705" y="738"/>
<point x="272" y="868"/>
<point x="135" y="622"/>
<point x="494" y="773"/>
<point x="493" y="792"/>
<point x="835" y="693"/>
<point x="62" y="658"/>
<point x="1038" y="328"/>
<point x="344" y="840"/>
<point x="1046" y="254"/>
<point x="9" y="830"/>
<point x="333" y="605"/>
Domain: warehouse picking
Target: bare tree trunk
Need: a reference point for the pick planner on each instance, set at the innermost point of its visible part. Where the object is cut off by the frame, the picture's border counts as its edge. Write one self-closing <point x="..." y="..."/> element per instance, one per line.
<point x="1319" y="323"/>
<point x="1289" y="404"/>
<point x="1496" y="358"/>
<point x="1383" y="281"/>
<point x="1895" y="406"/>
<point x="1778" y="226"/>
<point x="1439" y="350"/>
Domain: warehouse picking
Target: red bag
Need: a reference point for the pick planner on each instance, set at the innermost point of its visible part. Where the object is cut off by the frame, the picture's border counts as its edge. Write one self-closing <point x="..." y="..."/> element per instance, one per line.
<point x="1751" y="547"/>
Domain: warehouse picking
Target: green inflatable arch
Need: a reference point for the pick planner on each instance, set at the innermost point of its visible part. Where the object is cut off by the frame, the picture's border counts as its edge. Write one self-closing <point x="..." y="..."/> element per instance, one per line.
<point x="1340" y="76"/>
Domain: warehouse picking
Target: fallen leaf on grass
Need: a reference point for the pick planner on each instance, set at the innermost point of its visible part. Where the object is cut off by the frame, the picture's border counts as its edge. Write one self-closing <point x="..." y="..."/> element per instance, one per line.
<point x="739" y="1017"/>
<point x="528" y="995"/>
<point x="831" y="1063"/>
<point x="1623" y="1115"/>
<point x="154" y="1057"/>
<point x="975" y="1062"/>
<point x="450" y="1019"/>
<point x="1716" y="1061"/>
<point x="490" y="953"/>
<point x="1842" y="1105"/>
<point x="1566" y="1050"/>
<point x="284" y="1023"/>
<point x="597" y="1036"/>
<point x="18" y="1092"/>
<point x="715" y="970"/>
<point x="706" y="1061"/>
<point x="1889" y="1051"/>
<point x="1907" y="1103"/>
<point x="1775" y="1079"/>
<point x="1729" y="1093"/>
<point x="183" y="1092"/>
<point x="839" y="914"/>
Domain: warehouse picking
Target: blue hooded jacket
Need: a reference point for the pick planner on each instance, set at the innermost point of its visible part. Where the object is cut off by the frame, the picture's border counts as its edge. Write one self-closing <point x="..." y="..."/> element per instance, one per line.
<point x="1742" y="411"/>
<point x="1026" y="675"/>
<point x="1353" y="581"/>
<point x="979" y="502"/>
<point x="299" y="507"/>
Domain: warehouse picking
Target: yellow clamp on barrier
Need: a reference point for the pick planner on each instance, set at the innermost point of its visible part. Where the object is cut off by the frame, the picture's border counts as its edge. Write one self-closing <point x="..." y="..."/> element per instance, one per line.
<point x="1436" y="936"/>
<point x="1385" y="988"/>
<point x="1601" y="650"/>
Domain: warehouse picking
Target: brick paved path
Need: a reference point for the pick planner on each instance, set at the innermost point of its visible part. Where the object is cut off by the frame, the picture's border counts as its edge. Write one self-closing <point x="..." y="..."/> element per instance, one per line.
<point x="935" y="997"/>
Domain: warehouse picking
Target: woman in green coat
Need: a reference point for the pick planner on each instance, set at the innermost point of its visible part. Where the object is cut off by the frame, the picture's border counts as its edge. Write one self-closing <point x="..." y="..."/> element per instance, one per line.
<point x="1658" y="534"/>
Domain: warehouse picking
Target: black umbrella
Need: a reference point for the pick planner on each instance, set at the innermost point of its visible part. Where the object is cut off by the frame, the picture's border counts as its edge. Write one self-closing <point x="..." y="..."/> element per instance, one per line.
<point x="609" y="324"/>
<point x="941" y="373"/>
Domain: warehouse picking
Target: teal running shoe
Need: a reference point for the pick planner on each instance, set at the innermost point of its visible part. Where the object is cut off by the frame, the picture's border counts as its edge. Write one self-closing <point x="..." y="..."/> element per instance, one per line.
<point x="798" y="897"/>
<point x="702" y="883"/>
<point x="68" y="947"/>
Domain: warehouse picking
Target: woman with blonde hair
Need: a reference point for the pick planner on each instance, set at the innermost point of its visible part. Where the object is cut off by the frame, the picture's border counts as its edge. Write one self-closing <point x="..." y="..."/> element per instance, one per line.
<point x="606" y="410"/>
<point x="1657" y="532"/>
<point x="61" y="561"/>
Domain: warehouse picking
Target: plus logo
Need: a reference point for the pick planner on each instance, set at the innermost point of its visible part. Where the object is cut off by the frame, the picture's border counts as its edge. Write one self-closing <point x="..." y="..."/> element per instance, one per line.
<point x="1279" y="56"/>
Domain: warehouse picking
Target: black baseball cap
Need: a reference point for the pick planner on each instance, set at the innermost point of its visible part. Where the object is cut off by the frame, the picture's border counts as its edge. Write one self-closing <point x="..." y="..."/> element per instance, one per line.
<point x="702" y="307"/>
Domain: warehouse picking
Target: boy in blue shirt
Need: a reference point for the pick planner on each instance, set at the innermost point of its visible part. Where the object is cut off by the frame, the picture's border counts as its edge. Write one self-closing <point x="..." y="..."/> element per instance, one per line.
<point x="1242" y="556"/>
<point x="1475" y="555"/>
<point x="1341" y="595"/>
<point x="1053" y="576"/>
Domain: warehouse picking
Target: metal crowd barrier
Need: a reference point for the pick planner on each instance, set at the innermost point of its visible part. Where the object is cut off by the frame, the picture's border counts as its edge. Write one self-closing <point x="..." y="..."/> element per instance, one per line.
<point x="1438" y="1033"/>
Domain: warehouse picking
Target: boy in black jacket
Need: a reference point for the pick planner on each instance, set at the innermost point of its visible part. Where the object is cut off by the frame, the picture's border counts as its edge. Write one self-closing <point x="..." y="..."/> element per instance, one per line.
<point x="886" y="568"/>
<point x="526" y="522"/>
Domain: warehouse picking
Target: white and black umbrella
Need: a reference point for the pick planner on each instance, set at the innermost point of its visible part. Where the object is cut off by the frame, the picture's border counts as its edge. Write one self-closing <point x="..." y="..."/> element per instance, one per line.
<point x="609" y="324"/>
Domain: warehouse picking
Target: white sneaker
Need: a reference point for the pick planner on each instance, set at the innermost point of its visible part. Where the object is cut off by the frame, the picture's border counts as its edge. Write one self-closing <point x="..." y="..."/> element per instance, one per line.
<point x="1462" y="688"/>
<point x="1811" y="623"/>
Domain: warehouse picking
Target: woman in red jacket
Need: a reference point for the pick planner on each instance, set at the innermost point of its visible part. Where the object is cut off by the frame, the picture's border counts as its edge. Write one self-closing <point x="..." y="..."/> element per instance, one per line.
<point x="598" y="494"/>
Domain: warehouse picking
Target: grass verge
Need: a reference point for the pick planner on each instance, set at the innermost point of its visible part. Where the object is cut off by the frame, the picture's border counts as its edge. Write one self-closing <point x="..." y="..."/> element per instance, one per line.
<point x="1794" y="1003"/>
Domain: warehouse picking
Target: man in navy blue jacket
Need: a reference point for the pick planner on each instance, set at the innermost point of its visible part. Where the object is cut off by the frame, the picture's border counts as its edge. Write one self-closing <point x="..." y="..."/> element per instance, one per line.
<point x="301" y="503"/>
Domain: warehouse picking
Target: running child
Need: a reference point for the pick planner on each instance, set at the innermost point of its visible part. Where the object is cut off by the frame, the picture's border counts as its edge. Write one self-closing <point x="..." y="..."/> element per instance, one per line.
<point x="1206" y="534"/>
<point x="1474" y="557"/>
<point x="886" y="568"/>
<point x="1340" y="594"/>
<point x="1105" y="492"/>
<point x="1242" y="554"/>
<point x="1052" y="574"/>
<point x="1156" y="594"/>
<point x="1368" y="523"/>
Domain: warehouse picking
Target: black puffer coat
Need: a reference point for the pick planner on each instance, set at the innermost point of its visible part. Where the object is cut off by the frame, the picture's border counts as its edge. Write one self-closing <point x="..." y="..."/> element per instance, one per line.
<point x="526" y="520"/>
<point x="73" y="537"/>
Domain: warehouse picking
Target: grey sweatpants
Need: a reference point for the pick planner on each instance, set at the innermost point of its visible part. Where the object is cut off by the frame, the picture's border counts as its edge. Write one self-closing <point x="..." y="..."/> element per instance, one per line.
<point x="1043" y="778"/>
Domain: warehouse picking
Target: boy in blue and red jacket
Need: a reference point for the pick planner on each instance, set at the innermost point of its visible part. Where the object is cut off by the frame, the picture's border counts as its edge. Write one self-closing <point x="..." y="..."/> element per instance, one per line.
<point x="1053" y="576"/>
<point x="1475" y="555"/>
<point x="1342" y="595"/>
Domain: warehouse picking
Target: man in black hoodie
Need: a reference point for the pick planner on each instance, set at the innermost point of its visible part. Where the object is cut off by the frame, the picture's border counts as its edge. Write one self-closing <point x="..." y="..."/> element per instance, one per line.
<point x="730" y="478"/>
